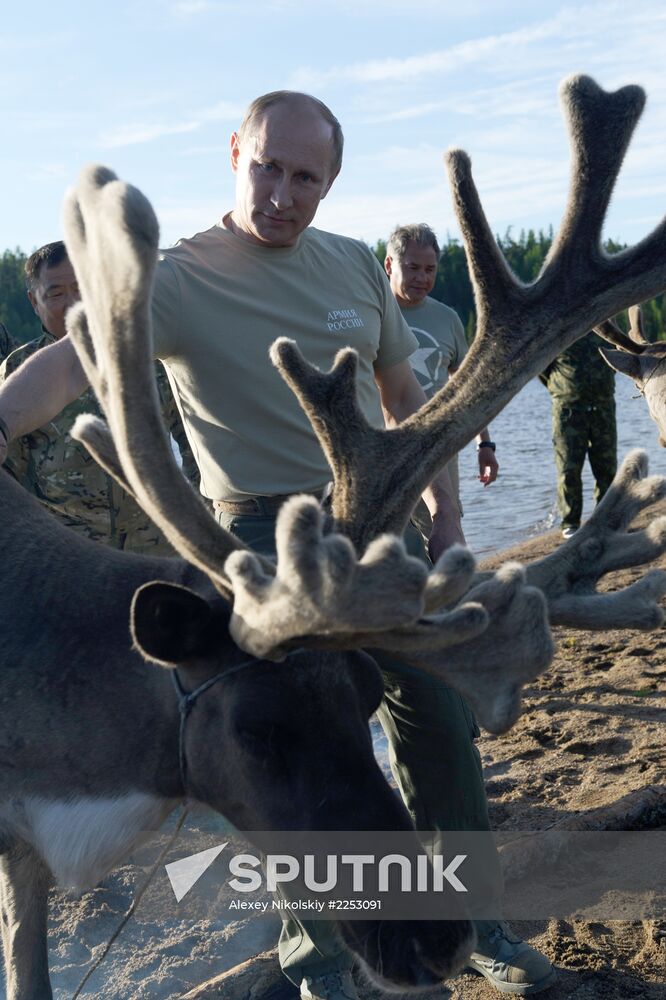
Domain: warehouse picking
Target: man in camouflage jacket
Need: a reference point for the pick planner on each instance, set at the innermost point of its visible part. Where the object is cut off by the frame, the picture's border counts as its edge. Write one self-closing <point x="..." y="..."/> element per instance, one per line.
<point x="582" y="389"/>
<point x="53" y="466"/>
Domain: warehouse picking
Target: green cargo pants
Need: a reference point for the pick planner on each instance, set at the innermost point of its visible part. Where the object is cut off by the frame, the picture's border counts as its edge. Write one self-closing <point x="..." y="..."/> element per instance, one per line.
<point x="430" y="731"/>
<point x="581" y="429"/>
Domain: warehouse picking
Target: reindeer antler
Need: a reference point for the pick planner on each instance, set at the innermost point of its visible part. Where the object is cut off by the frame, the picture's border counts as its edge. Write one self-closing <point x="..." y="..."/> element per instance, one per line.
<point x="568" y="577"/>
<point x="519" y="328"/>
<point x="322" y="589"/>
<point x="315" y="596"/>
<point x="111" y="233"/>
<point x="636" y="332"/>
<point x="321" y="592"/>
<point x="635" y="343"/>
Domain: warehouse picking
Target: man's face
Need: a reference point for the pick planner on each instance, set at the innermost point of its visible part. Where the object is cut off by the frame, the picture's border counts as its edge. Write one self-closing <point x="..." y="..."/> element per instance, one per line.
<point x="283" y="170"/>
<point x="413" y="277"/>
<point x="56" y="290"/>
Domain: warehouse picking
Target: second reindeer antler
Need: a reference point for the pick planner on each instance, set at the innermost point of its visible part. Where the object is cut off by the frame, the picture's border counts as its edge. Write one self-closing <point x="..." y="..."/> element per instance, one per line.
<point x="520" y="328"/>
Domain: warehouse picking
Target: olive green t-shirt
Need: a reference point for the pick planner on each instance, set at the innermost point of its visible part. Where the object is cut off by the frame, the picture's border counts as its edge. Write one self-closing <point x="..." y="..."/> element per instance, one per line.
<point x="441" y="346"/>
<point x="441" y="342"/>
<point x="219" y="304"/>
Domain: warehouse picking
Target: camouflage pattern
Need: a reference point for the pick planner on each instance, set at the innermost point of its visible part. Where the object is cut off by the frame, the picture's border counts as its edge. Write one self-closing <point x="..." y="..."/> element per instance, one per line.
<point x="7" y="342"/>
<point x="174" y="424"/>
<point x="60" y="472"/>
<point x="580" y="374"/>
<point x="582" y="387"/>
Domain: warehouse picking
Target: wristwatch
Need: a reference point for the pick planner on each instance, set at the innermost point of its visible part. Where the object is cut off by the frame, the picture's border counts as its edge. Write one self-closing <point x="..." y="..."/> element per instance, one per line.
<point x="486" y="444"/>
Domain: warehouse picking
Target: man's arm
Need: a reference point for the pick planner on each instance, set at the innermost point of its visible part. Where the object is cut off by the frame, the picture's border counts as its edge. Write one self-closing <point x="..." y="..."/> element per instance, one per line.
<point x="174" y="424"/>
<point x="39" y="390"/>
<point x="401" y="395"/>
<point x="488" y="465"/>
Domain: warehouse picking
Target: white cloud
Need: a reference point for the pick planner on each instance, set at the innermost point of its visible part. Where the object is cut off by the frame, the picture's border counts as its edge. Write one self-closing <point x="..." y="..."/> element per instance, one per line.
<point x="445" y="61"/>
<point x="346" y="8"/>
<point x="188" y="216"/>
<point x="49" y="172"/>
<point x="131" y="135"/>
<point x="222" y="111"/>
<point x="573" y="34"/>
<point x="371" y="217"/>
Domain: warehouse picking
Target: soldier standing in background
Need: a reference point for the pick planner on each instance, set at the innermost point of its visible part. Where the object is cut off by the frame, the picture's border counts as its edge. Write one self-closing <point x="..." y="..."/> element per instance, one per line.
<point x="582" y="389"/>
<point x="53" y="466"/>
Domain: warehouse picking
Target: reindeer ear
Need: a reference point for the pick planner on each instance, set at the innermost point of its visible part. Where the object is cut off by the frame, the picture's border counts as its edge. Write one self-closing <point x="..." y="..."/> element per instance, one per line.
<point x="626" y="364"/>
<point x="171" y="624"/>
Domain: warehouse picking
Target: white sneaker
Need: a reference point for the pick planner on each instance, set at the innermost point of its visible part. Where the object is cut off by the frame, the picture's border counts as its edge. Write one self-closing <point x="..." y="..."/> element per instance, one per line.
<point x="333" y="986"/>
<point x="508" y="963"/>
<point x="569" y="532"/>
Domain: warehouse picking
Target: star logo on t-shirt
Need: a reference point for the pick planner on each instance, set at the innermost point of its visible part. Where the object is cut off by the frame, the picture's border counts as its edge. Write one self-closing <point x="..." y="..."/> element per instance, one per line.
<point x="427" y="359"/>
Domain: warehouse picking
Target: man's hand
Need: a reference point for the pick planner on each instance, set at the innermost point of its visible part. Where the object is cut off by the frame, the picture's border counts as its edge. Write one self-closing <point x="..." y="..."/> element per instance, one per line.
<point x="488" y="466"/>
<point x="446" y="531"/>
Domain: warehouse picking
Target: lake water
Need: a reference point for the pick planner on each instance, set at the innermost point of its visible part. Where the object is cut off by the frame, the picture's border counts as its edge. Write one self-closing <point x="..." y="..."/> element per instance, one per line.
<point x="521" y="503"/>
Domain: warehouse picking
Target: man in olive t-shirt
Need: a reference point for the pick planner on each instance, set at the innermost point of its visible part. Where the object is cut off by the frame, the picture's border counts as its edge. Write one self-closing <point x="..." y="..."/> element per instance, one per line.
<point x="272" y="275"/>
<point x="412" y="258"/>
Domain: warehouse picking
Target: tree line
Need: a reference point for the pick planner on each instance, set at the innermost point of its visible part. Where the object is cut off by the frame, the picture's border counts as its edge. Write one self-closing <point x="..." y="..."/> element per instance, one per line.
<point x="15" y="310"/>
<point x="525" y="257"/>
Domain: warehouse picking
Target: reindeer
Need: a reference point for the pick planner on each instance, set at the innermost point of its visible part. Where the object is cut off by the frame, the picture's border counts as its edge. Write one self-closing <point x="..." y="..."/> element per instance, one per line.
<point x="100" y="743"/>
<point x="640" y="360"/>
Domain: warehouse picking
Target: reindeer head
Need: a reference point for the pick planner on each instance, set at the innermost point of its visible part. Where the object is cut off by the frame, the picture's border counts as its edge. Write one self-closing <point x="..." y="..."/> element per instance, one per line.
<point x="286" y="747"/>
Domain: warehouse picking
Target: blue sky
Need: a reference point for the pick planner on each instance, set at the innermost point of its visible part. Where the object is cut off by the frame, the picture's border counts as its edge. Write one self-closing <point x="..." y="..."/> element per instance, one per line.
<point x="154" y="88"/>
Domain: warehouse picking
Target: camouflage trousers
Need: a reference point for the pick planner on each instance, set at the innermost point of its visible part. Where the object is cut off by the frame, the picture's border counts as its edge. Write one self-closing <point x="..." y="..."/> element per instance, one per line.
<point x="126" y="528"/>
<point x="578" y="430"/>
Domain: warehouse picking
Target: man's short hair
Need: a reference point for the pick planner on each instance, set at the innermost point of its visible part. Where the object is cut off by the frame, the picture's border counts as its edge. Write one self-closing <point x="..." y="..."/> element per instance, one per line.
<point x="50" y="255"/>
<point x="418" y="233"/>
<point x="261" y="104"/>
